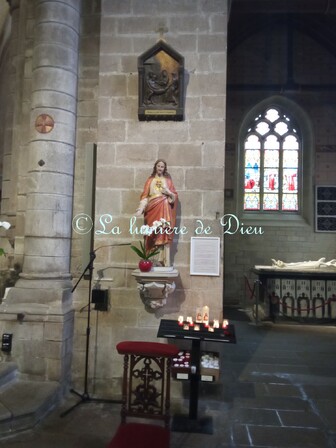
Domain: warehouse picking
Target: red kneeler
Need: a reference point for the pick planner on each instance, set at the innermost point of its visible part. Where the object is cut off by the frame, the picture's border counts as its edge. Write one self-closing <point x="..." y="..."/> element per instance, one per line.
<point x="145" y="395"/>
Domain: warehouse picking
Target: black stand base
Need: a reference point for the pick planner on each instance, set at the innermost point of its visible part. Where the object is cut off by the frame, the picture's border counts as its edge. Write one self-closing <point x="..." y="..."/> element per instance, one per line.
<point x="85" y="398"/>
<point x="182" y="423"/>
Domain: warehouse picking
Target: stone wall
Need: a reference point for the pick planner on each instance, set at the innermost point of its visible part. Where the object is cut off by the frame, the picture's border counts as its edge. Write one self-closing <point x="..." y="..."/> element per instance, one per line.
<point x="127" y="150"/>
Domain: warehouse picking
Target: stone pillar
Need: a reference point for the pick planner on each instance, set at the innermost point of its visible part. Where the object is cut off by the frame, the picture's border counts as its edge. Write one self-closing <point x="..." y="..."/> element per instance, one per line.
<point x="50" y="159"/>
<point x="44" y="286"/>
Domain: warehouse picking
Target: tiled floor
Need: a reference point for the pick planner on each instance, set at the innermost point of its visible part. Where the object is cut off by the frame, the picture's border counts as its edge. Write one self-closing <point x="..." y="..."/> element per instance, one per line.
<point x="277" y="389"/>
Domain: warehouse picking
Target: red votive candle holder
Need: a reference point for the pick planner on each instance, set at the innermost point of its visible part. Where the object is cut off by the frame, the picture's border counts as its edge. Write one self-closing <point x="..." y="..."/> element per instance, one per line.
<point x="180" y="320"/>
<point x="190" y="321"/>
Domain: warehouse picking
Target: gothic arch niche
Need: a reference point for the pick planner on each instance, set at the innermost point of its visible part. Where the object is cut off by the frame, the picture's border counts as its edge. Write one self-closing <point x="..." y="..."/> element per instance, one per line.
<point x="161" y="72"/>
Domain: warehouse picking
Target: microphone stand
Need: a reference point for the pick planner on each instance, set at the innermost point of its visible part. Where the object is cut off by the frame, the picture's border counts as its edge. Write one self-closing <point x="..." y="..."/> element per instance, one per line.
<point x="85" y="396"/>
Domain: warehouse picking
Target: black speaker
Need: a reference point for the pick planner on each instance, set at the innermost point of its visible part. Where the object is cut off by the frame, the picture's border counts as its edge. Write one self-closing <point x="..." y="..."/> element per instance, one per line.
<point x="100" y="299"/>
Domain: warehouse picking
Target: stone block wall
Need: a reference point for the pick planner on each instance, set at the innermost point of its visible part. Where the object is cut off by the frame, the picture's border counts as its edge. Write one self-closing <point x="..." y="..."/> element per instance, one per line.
<point x="126" y="152"/>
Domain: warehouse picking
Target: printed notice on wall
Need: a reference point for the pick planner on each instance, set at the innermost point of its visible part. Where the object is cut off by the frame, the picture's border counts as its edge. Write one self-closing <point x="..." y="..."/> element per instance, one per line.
<point x="204" y="256"/>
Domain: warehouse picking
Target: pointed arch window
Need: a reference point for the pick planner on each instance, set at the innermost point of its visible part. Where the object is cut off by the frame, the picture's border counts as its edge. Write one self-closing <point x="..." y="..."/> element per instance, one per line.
<point x="272" y="158"/>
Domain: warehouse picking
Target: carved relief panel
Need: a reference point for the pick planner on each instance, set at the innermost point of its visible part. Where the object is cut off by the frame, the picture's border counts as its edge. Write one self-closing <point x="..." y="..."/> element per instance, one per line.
<point x="161" y="73"/>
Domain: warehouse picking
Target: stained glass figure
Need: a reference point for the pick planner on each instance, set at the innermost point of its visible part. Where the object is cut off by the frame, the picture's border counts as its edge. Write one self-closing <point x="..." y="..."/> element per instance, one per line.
<point x="289" y="182"/>
<point x="271" y="180"/>
<point x="252" y="172"/>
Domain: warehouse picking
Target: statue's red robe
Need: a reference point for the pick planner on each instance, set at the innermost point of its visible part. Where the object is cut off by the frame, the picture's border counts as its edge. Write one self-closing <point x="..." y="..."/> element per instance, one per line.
<point x="159" y="207"/>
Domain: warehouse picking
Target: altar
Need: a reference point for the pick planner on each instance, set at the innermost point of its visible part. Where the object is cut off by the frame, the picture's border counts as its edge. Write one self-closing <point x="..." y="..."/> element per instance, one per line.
<point x="293" y="292"/>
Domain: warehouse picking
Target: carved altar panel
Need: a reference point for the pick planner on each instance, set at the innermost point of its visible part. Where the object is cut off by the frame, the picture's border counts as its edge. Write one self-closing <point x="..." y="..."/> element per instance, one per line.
<point x="307" y="298"/>
<point x="273" y="291"/>
<point x="306" y="295"/>
<point x="287" y="296"/>
<point x="331" y="297"/>
<point x="161" y="73"/>
<point x="319" y="298"/>
<point x="303" y="306"/>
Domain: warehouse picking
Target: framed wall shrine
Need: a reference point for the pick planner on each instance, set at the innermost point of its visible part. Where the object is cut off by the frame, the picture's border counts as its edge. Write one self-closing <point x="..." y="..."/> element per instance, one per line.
<point x="161" y="83"/>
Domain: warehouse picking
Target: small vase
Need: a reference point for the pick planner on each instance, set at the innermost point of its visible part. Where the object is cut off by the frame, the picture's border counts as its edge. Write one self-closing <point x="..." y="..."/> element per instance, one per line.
<point x="145" y="265"/>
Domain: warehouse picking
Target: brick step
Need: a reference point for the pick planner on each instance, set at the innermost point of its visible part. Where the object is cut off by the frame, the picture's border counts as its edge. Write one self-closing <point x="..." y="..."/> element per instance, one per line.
<point x="24" y="403"/>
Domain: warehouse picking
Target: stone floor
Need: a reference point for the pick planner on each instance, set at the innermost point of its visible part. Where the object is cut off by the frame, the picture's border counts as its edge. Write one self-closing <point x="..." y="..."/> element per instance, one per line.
<point x="277" y="389"/>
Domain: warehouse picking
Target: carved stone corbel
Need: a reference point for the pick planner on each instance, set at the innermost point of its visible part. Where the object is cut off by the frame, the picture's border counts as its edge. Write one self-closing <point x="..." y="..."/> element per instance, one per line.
<point x="155" y="286"/>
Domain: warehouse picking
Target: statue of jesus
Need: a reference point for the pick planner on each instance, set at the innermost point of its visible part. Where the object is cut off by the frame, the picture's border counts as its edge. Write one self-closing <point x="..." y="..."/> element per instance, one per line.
<point x="158" y="202"/>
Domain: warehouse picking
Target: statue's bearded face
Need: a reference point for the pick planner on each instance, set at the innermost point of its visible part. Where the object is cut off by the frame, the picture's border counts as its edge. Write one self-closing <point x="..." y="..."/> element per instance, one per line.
<point x="160" y="168"/>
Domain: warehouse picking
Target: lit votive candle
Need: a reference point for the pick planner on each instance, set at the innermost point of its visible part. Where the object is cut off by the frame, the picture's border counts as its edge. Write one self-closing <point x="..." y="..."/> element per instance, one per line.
<point x="197" y="327"/>
<point x="205" y="313"/>
<point x="225" y="323"/>
<point x="211" y="329"/>
<point x="206" y="323"/>
<point x="216" y="323"/>
<point x="199" y="315"/>
<point x="180" y="320"/>
<point x="186" y="327"/>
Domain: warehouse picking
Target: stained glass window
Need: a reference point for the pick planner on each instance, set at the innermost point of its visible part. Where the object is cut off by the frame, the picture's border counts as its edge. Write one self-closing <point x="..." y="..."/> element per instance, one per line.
<point x="271" y="163"/>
